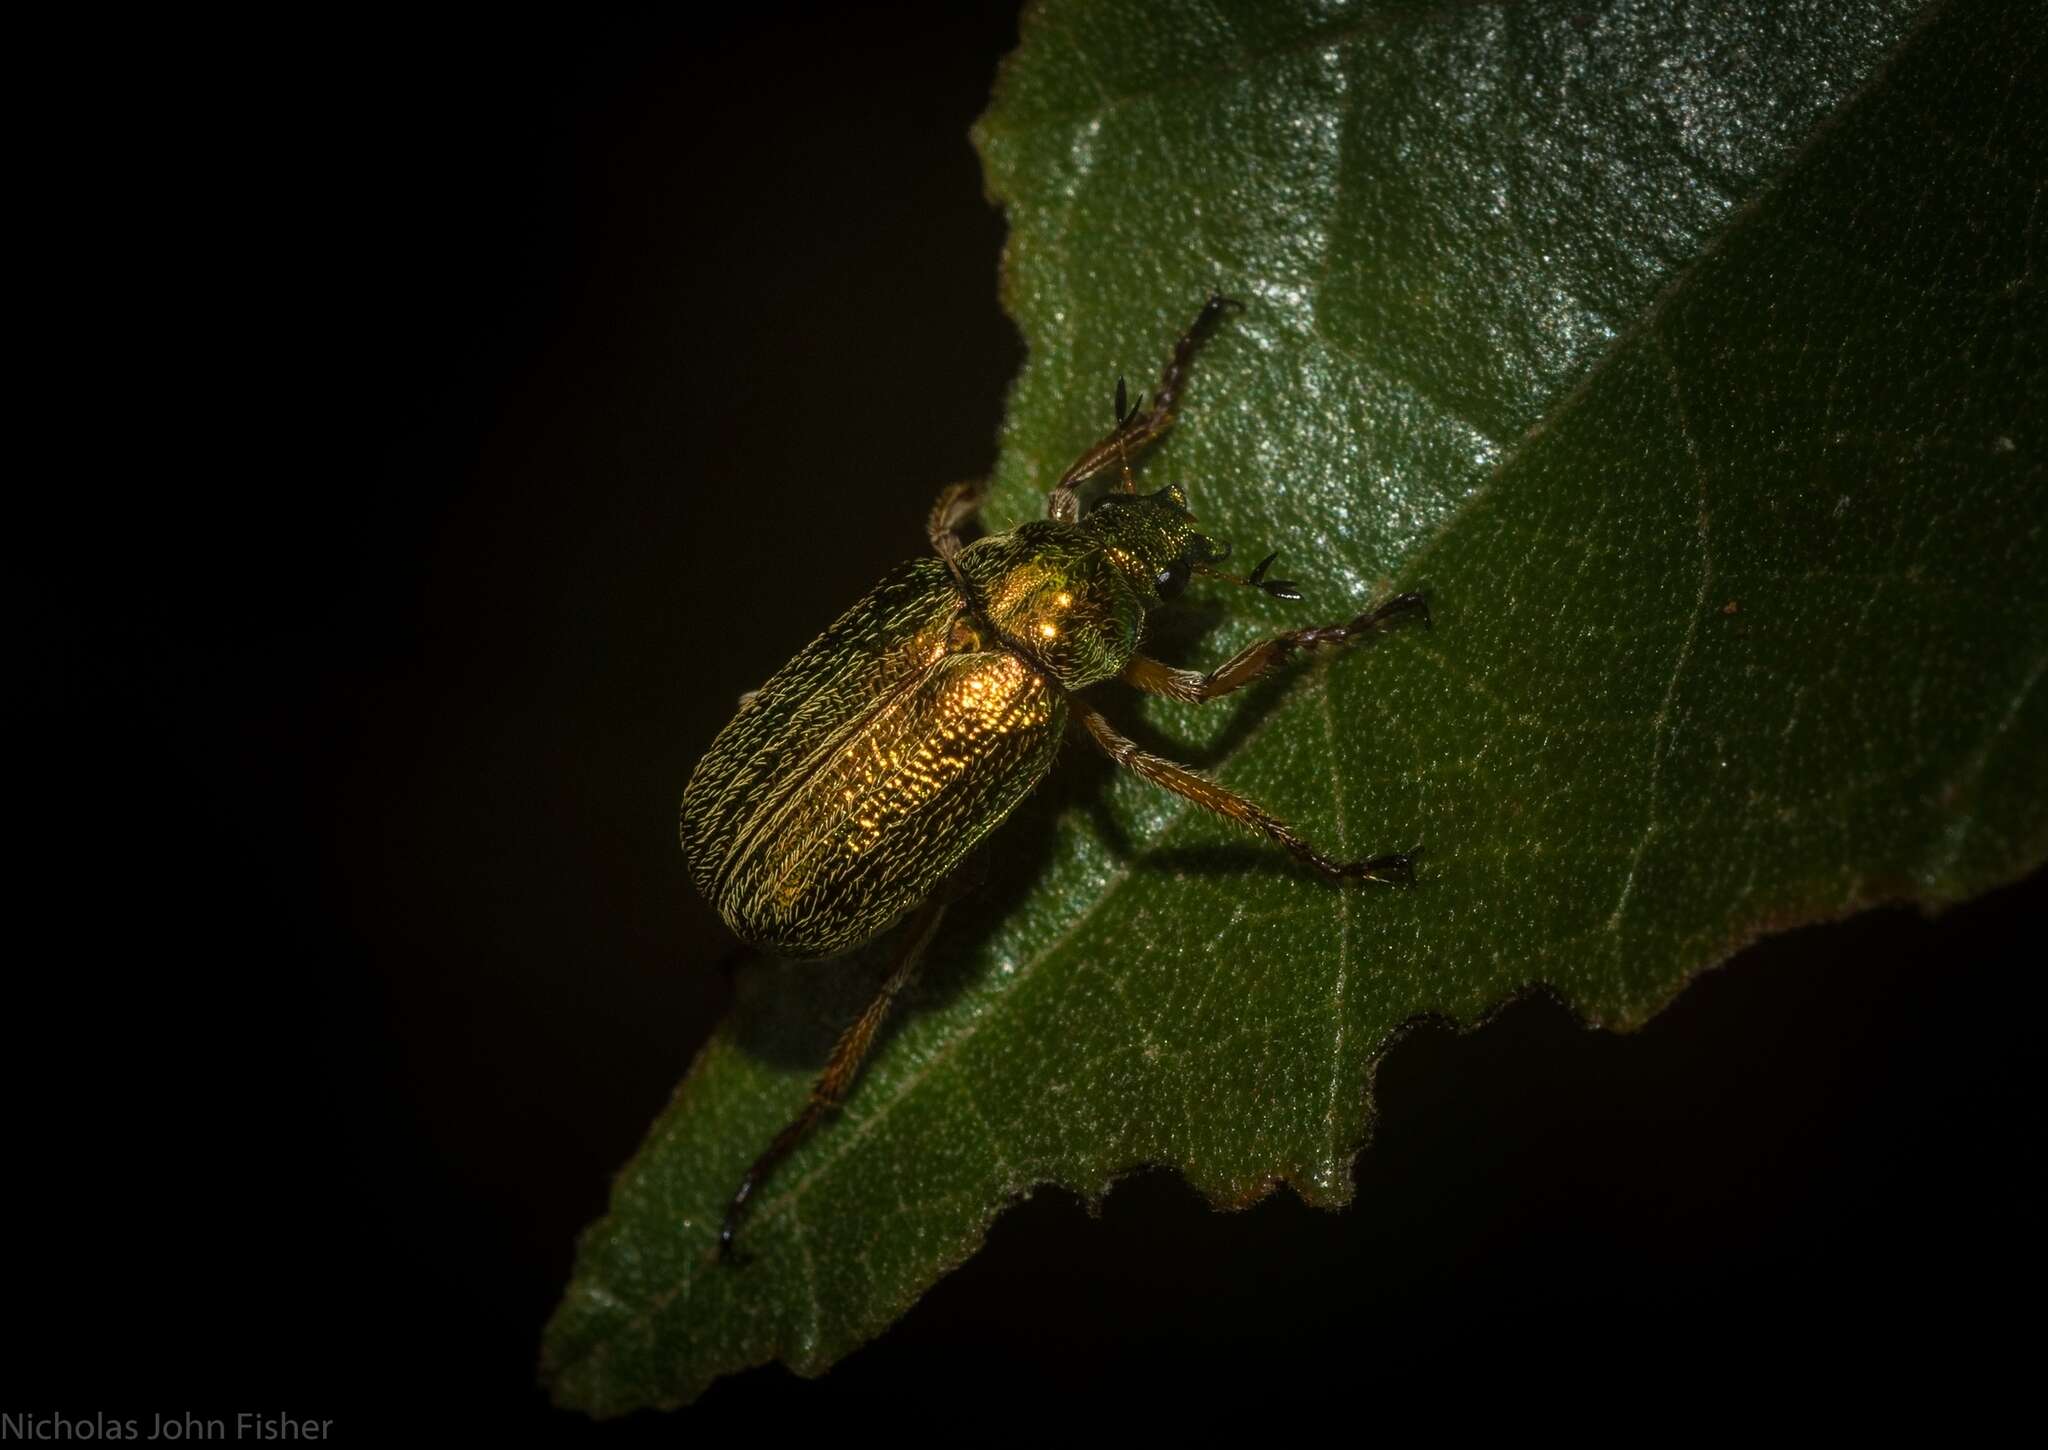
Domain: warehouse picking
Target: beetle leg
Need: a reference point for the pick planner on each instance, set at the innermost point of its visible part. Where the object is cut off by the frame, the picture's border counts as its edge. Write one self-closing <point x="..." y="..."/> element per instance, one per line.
<point x="840" y="1069"/>
<point x="959" y="503"/>
<point x="1249" y="663"/>
<point x="1139" y="426"/>
<point x="1395" y="869"/>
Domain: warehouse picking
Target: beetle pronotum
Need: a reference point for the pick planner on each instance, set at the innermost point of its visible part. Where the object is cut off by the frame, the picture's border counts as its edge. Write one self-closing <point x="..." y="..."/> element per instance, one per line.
<point x="851" y="785"/>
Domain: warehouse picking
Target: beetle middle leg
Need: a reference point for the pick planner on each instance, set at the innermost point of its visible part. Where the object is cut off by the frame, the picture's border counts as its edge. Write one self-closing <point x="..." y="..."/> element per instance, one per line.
<point x="1395" y="869"/>
<point x="959" y="503"/>
<point x="1253" y="661"/>
<point x="840" y="1069"/>
<point x="1140" y="426"/>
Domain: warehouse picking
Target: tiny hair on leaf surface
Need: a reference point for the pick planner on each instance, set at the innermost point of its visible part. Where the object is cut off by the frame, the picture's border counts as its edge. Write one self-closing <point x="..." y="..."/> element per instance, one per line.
<point x="1688" y="358"/>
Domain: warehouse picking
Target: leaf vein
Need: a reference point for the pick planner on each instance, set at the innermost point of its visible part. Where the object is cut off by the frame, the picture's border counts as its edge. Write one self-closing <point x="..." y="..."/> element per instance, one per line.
<point x="1343" y="929"/>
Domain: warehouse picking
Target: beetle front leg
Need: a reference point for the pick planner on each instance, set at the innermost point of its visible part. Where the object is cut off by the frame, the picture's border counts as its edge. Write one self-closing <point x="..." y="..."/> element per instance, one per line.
<point x="1253" y="661"/>
<point x="1394" y="869"/>
<point x="1139" y="427"/>
<point x="840" y="1069"/>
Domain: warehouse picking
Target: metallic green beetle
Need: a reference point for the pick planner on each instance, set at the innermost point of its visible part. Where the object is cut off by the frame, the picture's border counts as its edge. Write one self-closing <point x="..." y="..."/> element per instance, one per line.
<point x="852" y="784"/>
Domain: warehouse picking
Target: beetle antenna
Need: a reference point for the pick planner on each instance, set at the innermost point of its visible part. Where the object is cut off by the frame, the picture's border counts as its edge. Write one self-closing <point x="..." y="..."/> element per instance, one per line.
<point x="1278" y="588"/>
<point x="1124" y="415"/>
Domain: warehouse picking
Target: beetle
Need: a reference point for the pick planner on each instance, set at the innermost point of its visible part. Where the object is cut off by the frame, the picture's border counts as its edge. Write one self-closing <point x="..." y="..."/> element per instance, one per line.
<point x="850" y="787"/>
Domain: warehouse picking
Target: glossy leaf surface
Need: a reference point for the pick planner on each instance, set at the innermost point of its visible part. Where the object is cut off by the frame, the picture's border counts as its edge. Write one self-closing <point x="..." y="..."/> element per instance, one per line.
<point x="1690" y="358"/>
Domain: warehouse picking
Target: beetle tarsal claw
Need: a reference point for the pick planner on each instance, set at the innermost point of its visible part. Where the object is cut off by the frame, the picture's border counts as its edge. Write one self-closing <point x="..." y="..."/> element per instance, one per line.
<point x="1411" y="603"/>
<point x="1395" y="869"/>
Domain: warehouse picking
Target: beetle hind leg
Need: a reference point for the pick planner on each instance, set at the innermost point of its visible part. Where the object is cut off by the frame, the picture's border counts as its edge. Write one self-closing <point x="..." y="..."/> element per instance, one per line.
<point x="1397" y="868"/>
<point x="840" y="1070"/>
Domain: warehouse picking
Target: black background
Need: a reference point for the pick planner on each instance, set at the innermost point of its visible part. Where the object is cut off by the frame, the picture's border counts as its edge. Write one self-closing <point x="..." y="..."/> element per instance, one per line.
<point x="537" y="390"/>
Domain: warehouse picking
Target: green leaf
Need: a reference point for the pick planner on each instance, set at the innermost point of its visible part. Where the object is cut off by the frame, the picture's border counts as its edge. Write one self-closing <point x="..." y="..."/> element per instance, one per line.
<point x="1693" y="365"/>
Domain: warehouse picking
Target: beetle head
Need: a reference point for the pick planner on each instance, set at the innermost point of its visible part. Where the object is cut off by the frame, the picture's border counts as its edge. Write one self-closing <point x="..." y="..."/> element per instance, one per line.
<point x="1152" y="537"/>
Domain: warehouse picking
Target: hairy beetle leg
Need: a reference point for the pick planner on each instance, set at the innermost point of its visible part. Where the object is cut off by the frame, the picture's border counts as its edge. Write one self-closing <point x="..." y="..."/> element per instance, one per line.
<point x="840" y="1069"/>
<point x="1397" y="869"/>
<point x="1139" y="426"/>
<point x="1249" y="663"/>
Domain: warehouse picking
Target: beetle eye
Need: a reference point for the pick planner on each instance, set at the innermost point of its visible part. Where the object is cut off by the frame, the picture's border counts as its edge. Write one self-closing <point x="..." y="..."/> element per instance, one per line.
<point x="1172" y="579"/>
